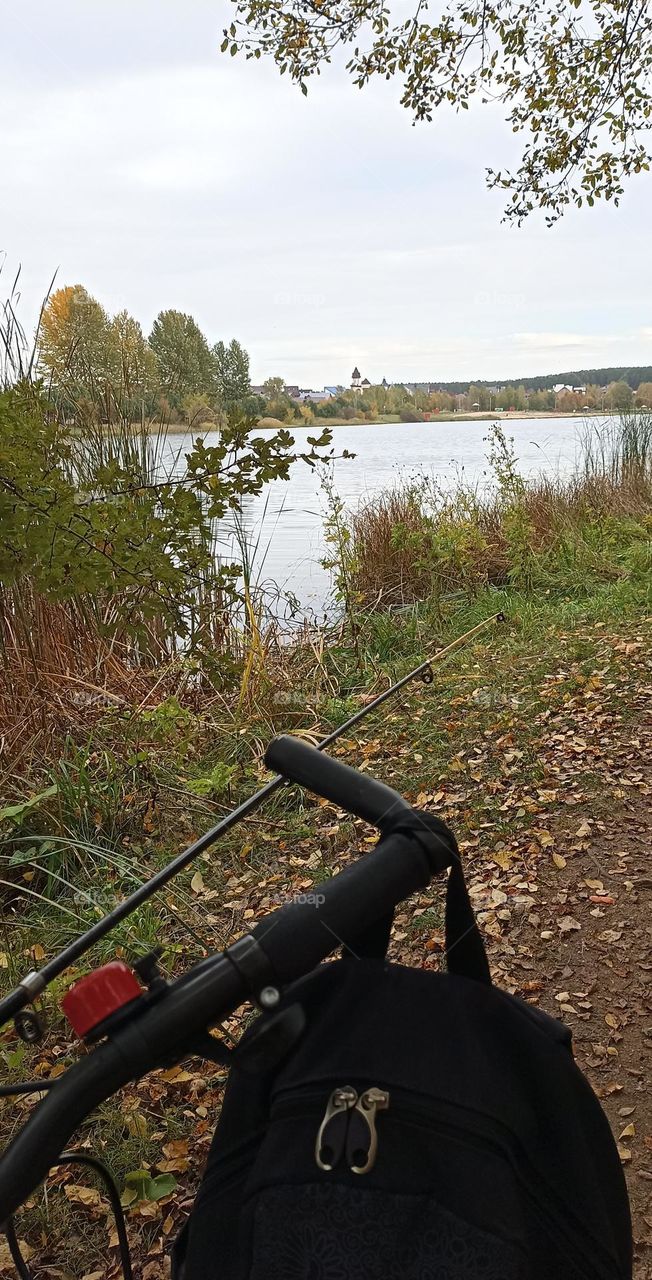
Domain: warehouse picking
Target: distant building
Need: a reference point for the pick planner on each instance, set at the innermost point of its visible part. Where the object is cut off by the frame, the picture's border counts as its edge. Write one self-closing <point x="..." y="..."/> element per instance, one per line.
<point x="293" y="392"/>
<point x="356" y="378"/>
<point x="315" y="396"/>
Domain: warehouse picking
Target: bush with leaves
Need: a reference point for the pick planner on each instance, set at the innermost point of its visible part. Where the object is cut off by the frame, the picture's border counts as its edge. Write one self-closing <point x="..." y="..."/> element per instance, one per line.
<point x="101" y="518"/>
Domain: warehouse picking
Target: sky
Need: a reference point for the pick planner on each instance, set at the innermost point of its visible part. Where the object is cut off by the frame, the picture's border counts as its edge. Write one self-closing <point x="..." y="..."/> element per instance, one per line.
<point x="322" y="232"/>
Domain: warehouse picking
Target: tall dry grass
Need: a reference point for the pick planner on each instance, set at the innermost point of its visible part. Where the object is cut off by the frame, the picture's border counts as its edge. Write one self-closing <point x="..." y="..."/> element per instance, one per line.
<point x="418" y="541"/>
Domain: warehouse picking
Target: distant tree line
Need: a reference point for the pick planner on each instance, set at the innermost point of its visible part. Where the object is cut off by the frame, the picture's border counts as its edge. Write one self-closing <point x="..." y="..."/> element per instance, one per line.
<point x="412" y="404"/>
<point x="104" y="366"/>
<point x="576" y="377"/>
<point x="95" y="363"/>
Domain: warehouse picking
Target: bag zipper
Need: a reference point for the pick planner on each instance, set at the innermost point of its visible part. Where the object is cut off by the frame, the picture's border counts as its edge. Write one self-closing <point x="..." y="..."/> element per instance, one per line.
<point x="349" y="1124"/>
<point x="331" y="1134"/>
<point x="356" y="1136"/>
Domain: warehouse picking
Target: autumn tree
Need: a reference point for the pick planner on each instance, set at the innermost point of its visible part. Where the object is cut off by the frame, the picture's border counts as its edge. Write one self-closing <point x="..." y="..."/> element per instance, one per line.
<point x="277" y="402"/>
<point x="74" y="344"/>
<point x="133" y="368"/>
<point x="620" y="397"/>
<point x="573" y="77"/>
<point x="644" y="395"/>
<point x="185" y="361"/>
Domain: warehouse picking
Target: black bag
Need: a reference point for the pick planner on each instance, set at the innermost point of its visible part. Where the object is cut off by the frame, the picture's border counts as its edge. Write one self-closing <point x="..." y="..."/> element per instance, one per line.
<point x="423" y="1127"/>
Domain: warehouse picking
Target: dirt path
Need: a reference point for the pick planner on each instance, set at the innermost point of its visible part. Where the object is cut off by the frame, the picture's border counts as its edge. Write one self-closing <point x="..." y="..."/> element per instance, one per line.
<point x="598" y="978"/>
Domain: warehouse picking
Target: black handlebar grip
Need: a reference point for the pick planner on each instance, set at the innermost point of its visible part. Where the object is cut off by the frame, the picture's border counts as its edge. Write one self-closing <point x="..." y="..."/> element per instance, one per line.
<point x="333" y="780"/>
<point x="339" y="910"/>
<point x="295" y="938"/>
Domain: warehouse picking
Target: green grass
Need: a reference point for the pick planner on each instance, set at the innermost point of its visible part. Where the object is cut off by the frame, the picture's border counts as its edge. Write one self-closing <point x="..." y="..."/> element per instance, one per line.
<point x="95" y="817"/>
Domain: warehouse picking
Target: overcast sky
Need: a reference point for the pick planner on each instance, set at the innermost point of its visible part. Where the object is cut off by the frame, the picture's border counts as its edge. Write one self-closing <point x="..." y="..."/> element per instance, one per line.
<point x="321" y="232"/>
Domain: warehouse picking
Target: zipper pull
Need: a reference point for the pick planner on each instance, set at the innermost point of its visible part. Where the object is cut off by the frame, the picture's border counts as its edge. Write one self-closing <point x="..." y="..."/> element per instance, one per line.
<point x="362" y="1138"/>
<point x="332" y="1130"/>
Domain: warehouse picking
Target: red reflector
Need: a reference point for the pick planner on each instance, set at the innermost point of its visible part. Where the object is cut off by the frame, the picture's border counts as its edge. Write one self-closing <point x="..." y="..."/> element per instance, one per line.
<point x="100" y="994"/>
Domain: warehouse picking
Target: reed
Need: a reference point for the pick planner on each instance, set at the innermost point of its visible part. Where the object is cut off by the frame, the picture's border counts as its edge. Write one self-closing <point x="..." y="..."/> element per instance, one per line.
<point x="418" y="541"/>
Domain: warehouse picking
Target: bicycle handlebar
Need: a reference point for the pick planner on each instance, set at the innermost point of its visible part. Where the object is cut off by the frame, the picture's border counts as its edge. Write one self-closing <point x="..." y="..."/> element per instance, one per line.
<point x="294" y="939"/>
<point x="346" y="787"/>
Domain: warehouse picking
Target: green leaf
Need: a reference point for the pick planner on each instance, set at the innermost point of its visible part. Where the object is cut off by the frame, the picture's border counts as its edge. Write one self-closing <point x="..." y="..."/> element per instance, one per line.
<point x="140" y="1185"/>
<point x="16" y="812"/>
<point x="162" y="1185"/>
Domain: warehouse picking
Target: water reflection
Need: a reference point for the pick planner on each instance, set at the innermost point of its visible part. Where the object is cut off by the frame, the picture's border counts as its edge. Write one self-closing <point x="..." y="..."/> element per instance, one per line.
<point x="284" y="526"/>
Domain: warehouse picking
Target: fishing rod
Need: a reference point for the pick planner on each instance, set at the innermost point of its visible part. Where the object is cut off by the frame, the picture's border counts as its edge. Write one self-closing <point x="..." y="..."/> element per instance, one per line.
<point x="13" y="1005"/>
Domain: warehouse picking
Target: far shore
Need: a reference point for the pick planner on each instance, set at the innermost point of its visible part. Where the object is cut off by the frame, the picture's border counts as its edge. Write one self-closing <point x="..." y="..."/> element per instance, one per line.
<point x="182" y="428"/>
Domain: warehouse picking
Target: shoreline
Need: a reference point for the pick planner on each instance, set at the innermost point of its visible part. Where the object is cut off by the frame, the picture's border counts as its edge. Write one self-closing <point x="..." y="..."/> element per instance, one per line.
<point x="385" y="420"/>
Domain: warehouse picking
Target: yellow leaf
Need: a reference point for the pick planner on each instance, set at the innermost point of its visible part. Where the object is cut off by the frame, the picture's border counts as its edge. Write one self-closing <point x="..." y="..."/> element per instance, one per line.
<point x="628" y="1132"/>
<point x="197" y="882"/>
<point x="611" y="1020"/>
<point x="503" y="858"/>
<point x="136" y="1125"/>
<point x="176" y="1076"/>
<point x="559" y="861"/>
<point x="583" y="830"/>
<point x="82" y="1195"/>
<point x="6" y="1260"/>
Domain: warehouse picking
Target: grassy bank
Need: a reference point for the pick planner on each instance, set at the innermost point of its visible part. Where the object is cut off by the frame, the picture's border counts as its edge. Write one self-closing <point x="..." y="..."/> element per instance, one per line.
<point x="384" y="419"/>
<point x="419" y="541"/>
<point x="120" y="745"/>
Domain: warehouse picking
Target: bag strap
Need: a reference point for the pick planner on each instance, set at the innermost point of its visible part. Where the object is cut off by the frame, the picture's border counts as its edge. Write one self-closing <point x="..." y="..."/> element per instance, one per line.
<point x="465" y="952"/>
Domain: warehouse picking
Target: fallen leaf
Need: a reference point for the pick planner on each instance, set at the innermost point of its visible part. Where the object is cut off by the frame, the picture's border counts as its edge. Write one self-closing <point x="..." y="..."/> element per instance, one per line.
<point x="567" y="923"/>
<point x="136" y="1125"/>
<point x="82" y="1195"/>
<point x="6" y="1260"/>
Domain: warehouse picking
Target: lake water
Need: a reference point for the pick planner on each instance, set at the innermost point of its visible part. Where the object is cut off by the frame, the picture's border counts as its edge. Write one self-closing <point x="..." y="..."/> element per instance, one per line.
<point x="287" y="522"/>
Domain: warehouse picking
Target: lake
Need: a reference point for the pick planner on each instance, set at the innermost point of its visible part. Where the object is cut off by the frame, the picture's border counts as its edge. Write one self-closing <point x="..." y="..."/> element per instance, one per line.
<point x="286" y="523"/>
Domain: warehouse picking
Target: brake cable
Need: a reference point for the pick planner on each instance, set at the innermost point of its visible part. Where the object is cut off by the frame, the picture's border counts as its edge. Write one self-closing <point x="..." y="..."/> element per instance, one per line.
<point x="27" y="1021"/>
<point x="70" y="1157"/>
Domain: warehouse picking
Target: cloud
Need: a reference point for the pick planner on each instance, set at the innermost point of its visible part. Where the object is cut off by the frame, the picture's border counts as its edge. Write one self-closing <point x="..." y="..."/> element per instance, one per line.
<point x="556" y="341"/>
<point x="322" y="232"/>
